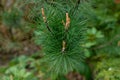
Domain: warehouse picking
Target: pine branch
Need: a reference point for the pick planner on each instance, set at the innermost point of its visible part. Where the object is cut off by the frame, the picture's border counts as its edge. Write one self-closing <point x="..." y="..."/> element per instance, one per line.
<point x="64" y="47"/>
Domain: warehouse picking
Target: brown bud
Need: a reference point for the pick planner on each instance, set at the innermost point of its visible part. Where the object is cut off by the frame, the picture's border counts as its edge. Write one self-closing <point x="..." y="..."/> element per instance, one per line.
<point x="63" y="46"/>
<point x="67" y="21"/>
<point x="43" y="14"/>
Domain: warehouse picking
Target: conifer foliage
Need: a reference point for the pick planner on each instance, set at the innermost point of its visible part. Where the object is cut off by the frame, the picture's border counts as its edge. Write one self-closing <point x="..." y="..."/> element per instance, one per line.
<point x="61" y="33"/>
